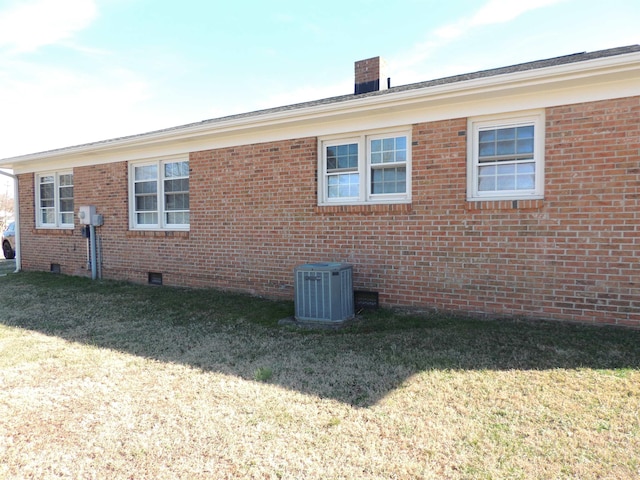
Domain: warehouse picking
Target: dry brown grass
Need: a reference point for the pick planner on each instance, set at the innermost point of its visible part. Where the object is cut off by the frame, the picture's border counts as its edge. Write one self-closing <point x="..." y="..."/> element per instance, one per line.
<point x="104" y="380"/>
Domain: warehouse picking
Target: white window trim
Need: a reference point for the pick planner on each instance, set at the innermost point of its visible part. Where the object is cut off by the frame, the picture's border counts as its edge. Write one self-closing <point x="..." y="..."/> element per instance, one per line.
<point x="364" y="168"/>
<point x="474" y="125"/>
<point x="56" y="202"/>
<point x="161" y="225"/>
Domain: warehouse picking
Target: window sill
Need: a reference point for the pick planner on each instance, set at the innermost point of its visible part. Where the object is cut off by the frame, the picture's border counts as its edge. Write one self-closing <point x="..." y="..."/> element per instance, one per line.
<point x="364" y="209"/>
<point x="488" y="205"/>
<point x="53" y="230"/>
<point x="158" y="233"/>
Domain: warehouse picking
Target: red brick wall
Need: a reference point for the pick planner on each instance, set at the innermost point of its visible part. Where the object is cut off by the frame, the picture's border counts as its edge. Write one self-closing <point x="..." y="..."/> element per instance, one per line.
<point x="254" y="217"/>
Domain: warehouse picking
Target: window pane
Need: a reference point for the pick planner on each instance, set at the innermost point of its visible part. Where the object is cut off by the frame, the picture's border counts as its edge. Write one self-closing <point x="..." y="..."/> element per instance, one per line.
<point x="47" y="200"/>
<point x="177" y="218"/>
<point x="388" y="144"/>
<point x="146" y="193"/>
<point x="147" y="218"/>
<point x="525" y="182"/>
<point x="48" y="216"/>
<point x="66" y="192"/>
<point x="526" y="167"/>
<point x="342" y="157"/>
<point x="344" y="185"/>
<point x="66" y="180"/>
<point x="47" y="191"/>
<point x="509" y="141"/>
<point x="344" y="161"/>
<point x="488" y="170"/>
<point x="506" y="182"/>
<point x="509" y="169"/>
<point x="486" y="184"/>
<point x="148" y="172"/>
<point x="525" y="146"/>
<point x="506" y="148"/>
<point x="66" y="205"/>
<point x="146" y="203"/>
<point x="344" y="191"/>
<point x="388" y="150"/>
<point x="181" y="185"/>
<point x="389" y="180"/>
<point x="487" y="136"/>
<point x="177" y="202"/>
<point x="525" y="132"/>
<point x="487" y="149"/>
<point x="146" y="187"/>
<point x="176" y="169"/>
<point x="505" y="159"/>
<point x="506" y="134"/>
<point x="66" y="200"/>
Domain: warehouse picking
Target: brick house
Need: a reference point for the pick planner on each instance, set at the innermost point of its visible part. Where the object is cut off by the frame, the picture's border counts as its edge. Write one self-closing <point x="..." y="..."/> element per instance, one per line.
<point x="513" y="191"/>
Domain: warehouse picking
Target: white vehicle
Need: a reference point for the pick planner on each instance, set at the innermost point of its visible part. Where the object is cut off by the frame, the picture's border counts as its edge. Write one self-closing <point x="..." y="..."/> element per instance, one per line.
<point x="9" y="241"/>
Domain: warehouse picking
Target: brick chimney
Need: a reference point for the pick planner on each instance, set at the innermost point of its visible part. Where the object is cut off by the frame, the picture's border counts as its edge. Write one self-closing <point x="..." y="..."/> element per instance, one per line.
<point x="370" y="75"/>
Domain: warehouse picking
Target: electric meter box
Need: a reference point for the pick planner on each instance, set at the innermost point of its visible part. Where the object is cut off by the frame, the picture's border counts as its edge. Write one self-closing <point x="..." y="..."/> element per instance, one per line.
<point x="86" y="214"/>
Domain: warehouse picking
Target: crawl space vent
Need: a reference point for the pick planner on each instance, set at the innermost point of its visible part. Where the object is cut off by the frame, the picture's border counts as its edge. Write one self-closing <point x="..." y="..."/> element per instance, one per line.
<point x="155" y="278"/>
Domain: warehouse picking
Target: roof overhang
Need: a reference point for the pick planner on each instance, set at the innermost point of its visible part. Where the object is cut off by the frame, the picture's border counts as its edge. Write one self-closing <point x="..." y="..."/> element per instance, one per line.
<point x="590" y="80"/>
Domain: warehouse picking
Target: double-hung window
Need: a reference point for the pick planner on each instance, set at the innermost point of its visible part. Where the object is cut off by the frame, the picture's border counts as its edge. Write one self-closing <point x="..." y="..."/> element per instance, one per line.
<point x="159" y="194"/>
<point x="54" y="200"/>
<point x="365" y="169"/>
<point x="506" y="158"/>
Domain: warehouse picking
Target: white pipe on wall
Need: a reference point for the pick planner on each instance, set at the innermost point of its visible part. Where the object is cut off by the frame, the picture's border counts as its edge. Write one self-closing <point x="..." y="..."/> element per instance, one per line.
<point x="16" y="208"/>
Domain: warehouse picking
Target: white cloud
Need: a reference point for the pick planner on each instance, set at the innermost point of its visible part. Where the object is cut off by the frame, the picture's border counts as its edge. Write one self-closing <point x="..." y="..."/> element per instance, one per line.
<point x="500" y="11"/>
<point x="27" y="26"/>
<point x="493" y="12"/>
<point x="53" y="107"/>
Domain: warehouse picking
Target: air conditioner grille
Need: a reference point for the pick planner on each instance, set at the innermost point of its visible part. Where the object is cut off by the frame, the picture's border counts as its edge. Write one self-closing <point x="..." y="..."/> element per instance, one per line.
<point x="323" y="292"/>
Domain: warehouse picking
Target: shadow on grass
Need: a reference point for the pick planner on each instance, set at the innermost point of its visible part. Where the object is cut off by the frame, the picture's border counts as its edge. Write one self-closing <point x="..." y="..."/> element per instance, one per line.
<point x="239" y="335"/>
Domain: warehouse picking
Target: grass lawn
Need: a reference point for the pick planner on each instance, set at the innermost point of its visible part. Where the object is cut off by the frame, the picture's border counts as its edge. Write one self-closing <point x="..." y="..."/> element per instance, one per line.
<point x="111" y="380"/>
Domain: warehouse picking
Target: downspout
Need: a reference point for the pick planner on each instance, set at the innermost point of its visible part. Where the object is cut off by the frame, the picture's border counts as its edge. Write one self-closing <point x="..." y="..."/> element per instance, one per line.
<point x="16" y="208"/>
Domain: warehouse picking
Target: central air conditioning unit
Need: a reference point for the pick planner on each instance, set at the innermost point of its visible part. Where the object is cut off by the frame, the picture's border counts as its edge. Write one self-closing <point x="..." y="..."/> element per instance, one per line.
<point x="323" y="292"/>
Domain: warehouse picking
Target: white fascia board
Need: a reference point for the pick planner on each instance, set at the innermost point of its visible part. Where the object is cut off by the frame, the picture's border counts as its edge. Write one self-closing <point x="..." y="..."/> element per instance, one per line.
<point x="591" y="80"/>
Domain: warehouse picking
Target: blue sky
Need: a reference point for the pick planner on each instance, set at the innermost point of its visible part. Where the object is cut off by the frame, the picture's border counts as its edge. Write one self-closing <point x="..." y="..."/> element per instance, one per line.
<point x="77" y="71"/>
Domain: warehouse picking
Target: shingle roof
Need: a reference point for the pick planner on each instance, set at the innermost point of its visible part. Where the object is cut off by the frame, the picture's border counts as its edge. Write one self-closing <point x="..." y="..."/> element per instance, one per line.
<point x="538" y="64"/>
